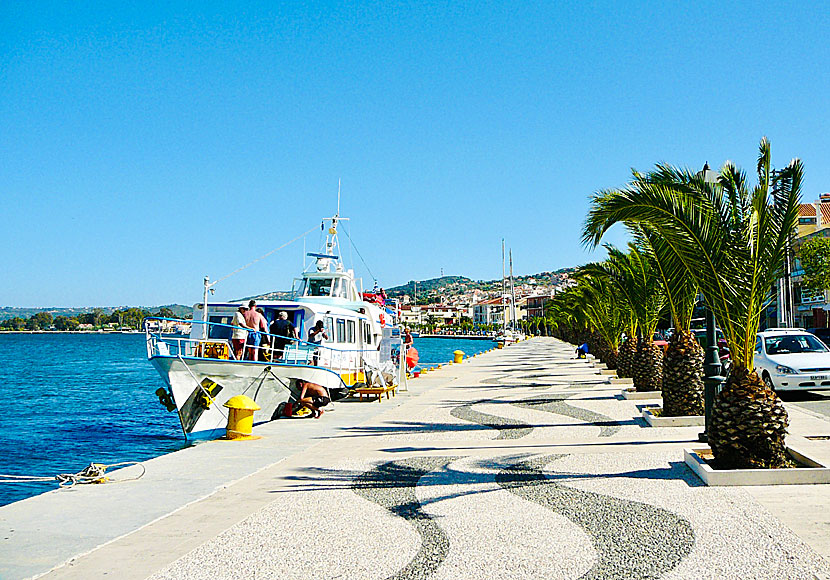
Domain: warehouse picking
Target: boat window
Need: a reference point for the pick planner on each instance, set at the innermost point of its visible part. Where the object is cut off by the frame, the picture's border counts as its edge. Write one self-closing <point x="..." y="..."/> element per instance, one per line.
<point x="329" y="329"/>
<point x="341" y="330"/>
<point x="318" y="287"/>
<point x="367" y="333"/>
<point x="220" y="332"/>
<point x="351" y="337"/>
<point x="339" y="288"/>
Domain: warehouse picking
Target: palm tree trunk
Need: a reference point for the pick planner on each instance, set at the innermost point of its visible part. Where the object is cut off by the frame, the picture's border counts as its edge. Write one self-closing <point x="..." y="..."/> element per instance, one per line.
<point x="648" y="366"/>
<point x="683" y="376"/>
<point x="610" y="359"/>
<point x="748" y="425"/>
<point x="625" y="360"/>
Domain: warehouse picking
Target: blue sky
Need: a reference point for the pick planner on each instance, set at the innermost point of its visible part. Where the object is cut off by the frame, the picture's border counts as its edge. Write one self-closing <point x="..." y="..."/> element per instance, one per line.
<point x="142" y="148"/>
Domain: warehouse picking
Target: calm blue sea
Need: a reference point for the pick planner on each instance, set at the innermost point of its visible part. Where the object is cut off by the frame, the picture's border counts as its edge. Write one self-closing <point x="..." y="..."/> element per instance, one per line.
<point x="72" y="399"/>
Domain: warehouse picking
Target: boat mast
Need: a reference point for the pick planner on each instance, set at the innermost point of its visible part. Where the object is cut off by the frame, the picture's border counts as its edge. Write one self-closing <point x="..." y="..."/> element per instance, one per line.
<point x="503" y="291"/>
<point x="512" y="294"/>
<point x="208" y="289"/>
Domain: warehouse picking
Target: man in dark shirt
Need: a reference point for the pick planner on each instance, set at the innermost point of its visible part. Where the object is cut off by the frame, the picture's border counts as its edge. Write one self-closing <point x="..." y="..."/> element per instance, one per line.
<point x="284" y="332"/>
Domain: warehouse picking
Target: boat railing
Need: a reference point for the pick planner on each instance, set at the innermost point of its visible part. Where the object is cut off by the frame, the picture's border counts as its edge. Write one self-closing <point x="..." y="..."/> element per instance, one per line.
<point x="295" y="351"/>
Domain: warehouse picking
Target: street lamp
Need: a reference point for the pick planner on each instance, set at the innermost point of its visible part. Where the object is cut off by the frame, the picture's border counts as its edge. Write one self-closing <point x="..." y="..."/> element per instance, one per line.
<point x="712" y="368"/>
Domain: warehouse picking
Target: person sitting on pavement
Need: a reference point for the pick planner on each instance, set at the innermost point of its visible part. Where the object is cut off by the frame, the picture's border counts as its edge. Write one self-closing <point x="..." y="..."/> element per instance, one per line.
<point x="312" y="397"/>
<point x="283" y="332"/>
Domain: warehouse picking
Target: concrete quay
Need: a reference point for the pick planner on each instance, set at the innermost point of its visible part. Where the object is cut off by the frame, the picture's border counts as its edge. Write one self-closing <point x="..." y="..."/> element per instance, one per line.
<point x="519" y="463"/>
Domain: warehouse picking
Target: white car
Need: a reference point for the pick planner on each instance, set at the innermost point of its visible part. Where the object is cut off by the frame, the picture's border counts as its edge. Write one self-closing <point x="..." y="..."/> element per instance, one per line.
<point x="792" y="359"/>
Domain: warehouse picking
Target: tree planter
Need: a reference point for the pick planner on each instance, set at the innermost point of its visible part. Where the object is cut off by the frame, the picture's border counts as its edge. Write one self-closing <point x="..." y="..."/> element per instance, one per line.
<point x="811" y="471"/>
<point x="634" y="395"/>
<point x="682" y="421"/>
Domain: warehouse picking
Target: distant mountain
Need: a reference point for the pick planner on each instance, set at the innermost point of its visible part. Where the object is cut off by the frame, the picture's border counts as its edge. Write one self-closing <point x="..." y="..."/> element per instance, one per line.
<point x="426" y="286"/>
<point x="7" y="312"/>
<point x="275" y="295"/>
<point x="434" y="289"/>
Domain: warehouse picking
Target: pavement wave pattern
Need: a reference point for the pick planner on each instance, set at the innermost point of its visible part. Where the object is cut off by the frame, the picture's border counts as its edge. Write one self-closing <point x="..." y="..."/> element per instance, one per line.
<point x="632" y="539"/>
<point x="558" y="406"/>
<point x="508" y="428"/>
<point x="392" y="486"/>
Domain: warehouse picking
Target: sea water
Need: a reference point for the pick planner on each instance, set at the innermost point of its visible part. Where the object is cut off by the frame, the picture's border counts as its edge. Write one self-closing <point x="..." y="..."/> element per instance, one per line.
<point x="68" y="400"/>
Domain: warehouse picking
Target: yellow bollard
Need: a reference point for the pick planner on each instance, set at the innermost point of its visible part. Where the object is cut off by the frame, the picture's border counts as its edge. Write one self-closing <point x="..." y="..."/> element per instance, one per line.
<point x="459" y="356"/>
<point x="240" y="418"/>
<point x="499" y="345"/>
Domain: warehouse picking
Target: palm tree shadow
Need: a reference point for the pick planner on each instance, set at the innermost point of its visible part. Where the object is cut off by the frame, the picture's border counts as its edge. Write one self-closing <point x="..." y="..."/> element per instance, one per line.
<point x="391" y="474"/>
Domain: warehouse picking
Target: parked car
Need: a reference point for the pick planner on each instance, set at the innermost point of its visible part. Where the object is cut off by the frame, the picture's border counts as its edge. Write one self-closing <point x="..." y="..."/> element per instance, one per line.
<point x="822" y="333"/>
<point x="792" y="359"/>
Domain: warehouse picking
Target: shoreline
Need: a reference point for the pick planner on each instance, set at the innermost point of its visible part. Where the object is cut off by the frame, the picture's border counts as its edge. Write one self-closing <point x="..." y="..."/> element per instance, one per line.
<point x="71" y="332"/>
<point x="458" y="336"/>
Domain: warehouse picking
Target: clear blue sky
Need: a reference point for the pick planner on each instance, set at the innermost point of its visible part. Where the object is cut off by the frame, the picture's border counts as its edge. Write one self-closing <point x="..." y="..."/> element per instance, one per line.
<point x="142" y="148"/>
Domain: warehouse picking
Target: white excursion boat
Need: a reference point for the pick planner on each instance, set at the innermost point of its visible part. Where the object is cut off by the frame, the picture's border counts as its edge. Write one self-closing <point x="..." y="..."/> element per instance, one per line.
<point x="201" y="371"/>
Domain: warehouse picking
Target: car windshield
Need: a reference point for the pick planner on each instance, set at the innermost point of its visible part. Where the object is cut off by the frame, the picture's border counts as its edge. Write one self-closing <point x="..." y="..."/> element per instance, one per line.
<point x="793" y="343"/>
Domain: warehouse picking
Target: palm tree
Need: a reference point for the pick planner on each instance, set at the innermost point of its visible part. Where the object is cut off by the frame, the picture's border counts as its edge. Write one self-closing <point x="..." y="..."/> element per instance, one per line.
<point x="683" y="362"/>
<point x="606" y="314"/>
<point x="633" y="275"/>
<point x="731" y="240"/>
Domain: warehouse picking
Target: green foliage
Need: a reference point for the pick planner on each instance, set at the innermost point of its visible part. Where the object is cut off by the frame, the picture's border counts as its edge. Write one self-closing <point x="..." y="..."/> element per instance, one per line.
<point x="634" y="277"/>
<point x="727" y="236"/>
<point x="814" y="255"/>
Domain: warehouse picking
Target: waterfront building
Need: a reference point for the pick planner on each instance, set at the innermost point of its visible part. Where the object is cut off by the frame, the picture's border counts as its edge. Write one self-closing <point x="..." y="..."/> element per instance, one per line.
<point x="810" y="307"/>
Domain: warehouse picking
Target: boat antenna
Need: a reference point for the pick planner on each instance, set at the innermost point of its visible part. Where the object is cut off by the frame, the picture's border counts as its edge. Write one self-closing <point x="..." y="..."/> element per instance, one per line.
<point x="338" y="197"/>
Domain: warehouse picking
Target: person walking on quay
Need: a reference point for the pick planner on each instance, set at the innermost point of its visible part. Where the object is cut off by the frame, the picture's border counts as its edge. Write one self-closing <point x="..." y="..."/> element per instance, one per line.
<point x="284" y="332"/>
<point x="240" y="333"/>
<point x="408" y="341"/>
<point x="315" y="337"/>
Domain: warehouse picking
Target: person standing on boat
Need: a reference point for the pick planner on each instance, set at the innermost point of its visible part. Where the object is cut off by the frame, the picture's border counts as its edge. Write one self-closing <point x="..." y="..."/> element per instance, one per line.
<point x="240" y="334"/>
<point x="315" y="337"/>
<point x="283" y="332"/>
<point x="265" y="342"/>
<point x="256" y="322"/>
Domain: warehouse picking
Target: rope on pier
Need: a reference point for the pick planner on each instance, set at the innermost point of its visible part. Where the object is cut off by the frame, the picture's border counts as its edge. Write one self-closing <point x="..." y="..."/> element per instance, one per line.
<point x="93" y="473"/>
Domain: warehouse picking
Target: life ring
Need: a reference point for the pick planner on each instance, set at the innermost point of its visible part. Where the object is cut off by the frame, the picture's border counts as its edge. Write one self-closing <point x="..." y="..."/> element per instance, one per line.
<point x="382" y="319"/>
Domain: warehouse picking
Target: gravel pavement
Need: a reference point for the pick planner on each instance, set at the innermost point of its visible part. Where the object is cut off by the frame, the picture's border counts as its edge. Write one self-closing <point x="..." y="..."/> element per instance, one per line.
<point x="521" y="463"/>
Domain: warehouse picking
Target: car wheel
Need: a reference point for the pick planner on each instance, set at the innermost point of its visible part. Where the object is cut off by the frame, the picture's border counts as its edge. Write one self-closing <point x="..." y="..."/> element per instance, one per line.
<point x="768" y="381"/>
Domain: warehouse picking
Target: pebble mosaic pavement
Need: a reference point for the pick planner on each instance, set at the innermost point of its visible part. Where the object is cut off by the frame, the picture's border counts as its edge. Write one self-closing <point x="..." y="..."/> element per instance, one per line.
<point x="503" y="512"/>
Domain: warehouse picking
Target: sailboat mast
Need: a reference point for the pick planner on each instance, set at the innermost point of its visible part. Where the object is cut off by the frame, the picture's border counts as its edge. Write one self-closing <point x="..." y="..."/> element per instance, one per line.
<point x="503" y="290"/>
<point x="512" y="294"/>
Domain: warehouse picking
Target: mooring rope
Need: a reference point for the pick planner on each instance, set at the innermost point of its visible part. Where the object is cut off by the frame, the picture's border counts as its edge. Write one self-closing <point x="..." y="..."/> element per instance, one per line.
<point x="93" y="473"/>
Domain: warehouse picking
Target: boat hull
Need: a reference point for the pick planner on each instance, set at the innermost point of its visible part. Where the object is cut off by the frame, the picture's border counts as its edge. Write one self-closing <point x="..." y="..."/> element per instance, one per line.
<point x="199" y="388"/>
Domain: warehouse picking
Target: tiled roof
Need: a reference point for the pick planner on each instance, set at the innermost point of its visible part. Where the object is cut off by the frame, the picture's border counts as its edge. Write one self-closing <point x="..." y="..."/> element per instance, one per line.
<point x="825" y="213"/>
<point x="491" y="301"/>
<point x="806" y="210"/>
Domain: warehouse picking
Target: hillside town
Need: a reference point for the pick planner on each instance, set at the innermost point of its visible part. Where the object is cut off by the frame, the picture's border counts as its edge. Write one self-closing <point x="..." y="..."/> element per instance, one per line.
<point x="456" y="304"/>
